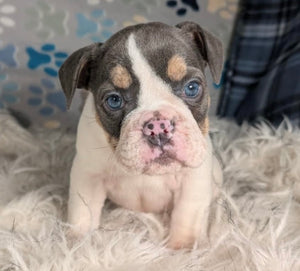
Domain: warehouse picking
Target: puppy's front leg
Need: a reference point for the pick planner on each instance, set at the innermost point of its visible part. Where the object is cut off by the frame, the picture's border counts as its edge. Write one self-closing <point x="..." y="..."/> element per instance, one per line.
<point x="189" y="219"/>
<point x="86" y="198"/>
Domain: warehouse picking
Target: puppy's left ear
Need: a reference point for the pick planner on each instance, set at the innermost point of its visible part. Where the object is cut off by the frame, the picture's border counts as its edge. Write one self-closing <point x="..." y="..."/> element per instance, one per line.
<point x="75" y="71"/>
<point x="209" y="46"/>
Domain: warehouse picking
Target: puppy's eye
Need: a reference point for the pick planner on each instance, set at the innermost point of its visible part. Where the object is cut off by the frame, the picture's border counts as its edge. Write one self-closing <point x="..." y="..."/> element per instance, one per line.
<point x="114" y="101"/>
<point x="192" y="89"/>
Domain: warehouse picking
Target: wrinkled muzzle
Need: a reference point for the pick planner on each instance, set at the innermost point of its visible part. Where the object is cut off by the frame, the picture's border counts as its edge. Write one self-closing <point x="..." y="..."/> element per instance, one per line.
<point x="160" y="142"/>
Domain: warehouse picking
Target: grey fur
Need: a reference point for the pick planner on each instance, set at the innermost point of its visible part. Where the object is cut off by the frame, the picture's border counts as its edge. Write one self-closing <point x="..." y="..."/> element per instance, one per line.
<point x="209" y="46"/>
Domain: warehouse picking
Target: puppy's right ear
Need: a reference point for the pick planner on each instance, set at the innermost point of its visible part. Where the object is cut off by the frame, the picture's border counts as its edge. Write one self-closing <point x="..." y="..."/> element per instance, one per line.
<point x="75" y="71"/>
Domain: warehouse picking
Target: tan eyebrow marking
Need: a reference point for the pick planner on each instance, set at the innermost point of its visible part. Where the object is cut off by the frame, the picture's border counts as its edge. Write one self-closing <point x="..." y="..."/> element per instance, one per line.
<point x="120" y="77"/>
<point x="176" y="68"/>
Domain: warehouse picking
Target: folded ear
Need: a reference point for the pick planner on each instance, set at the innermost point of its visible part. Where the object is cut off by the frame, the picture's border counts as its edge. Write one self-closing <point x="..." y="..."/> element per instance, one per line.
<point x="75" y="71"/>
<point x="209" y="46"/>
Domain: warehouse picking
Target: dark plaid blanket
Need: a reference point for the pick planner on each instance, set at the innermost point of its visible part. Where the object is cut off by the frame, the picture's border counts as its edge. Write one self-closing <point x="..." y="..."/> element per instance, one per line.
<point x="262" y="76"/>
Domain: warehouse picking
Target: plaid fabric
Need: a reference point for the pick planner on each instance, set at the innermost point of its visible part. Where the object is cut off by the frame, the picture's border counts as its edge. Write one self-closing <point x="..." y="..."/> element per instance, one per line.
<point x="262" y="76"/>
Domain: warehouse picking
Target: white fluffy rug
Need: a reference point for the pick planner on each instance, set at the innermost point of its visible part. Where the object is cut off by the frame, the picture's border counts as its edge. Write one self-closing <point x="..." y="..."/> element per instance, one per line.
<point x="260" y="228"/>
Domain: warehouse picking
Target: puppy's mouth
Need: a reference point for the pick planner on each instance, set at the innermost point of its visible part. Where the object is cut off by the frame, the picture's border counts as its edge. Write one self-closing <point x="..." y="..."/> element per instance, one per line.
<point x="163" y="154"/>
<point x="165" y="163"/>
<point x="165" y="158"/>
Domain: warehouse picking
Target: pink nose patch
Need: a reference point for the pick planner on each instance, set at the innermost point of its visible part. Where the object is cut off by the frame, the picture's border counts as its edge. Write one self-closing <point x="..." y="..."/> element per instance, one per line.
<point x="158" y="131"/>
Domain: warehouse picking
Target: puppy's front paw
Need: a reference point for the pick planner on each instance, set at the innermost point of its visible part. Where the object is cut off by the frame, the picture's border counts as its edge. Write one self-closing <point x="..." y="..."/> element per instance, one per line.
<point x="78" y="231"/>
<point x="178" y="241"/>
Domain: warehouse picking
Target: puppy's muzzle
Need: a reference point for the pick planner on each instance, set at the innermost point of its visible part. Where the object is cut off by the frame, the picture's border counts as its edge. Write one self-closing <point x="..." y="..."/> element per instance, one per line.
<point x="158" y="131"/>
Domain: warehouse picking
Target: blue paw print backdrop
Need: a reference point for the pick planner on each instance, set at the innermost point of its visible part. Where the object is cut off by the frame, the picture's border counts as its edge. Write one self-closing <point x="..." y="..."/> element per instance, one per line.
<point x="36" y="36"/>
<point x="94" y="25"/>
<point x="46" y="58"/>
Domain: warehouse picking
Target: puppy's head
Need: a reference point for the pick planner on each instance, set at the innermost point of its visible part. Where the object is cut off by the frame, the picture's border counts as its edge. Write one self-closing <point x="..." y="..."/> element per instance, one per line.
<point x="150" y="92"/>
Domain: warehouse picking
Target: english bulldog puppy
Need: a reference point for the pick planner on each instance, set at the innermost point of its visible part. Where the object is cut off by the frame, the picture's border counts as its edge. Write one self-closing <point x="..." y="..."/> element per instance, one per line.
<point x="142" y="138"/>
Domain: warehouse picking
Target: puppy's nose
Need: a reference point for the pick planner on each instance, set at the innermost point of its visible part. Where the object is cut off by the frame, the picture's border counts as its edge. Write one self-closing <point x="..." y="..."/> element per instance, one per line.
<point x="158" y="131"/>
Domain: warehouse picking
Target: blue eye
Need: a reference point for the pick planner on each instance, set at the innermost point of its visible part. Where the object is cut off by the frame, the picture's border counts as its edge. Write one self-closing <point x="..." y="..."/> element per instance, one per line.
<point x="114" y="101"/>
<point x="191" y="89"/>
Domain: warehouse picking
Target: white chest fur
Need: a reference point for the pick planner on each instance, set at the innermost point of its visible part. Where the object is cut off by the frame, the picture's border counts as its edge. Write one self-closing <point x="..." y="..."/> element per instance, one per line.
<point x="142" y="193"/>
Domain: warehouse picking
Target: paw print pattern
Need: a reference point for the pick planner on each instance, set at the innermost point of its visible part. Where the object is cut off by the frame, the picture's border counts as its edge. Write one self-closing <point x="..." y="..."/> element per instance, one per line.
<point x="46" y="98"/>
<point x="97" y="2"/>
<point x="8" y="92"/>
<point x="45" y="20"/>
<point x="6" y="10"/>
<point x="226" y="8"/>
<point x="8" y="89"/>
<point x="7" y="55"/>
<point x="48" y="59"/>
<point x="96" y="26"/>
<point x="3" y="76"/>
<point x="136" y="19"/>
<point x="182" y="8"/>
<point x="143" y="7"/>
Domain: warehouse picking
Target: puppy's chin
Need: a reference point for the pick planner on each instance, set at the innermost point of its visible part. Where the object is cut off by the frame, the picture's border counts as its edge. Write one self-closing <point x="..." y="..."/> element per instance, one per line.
<point x="163" y="166"/>
<point x="155" y="168"/>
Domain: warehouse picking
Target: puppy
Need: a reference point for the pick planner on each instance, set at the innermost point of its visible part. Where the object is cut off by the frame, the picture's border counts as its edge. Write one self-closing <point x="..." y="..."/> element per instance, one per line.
<point x="143" y="136"/>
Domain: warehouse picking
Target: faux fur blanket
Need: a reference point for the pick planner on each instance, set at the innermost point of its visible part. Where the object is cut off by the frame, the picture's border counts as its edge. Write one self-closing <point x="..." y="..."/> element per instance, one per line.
<point x="260" y="202"/>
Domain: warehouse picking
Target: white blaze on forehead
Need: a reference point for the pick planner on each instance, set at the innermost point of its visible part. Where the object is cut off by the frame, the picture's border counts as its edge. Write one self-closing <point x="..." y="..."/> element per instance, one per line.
<point x="152" y="87"/>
